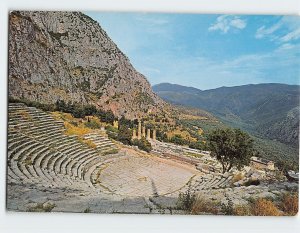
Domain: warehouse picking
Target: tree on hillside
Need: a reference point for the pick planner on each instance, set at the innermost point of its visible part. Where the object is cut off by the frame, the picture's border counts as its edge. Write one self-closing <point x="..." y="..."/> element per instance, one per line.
<point x="124" y="121"/>
<point x="178" y="139"/>
<point x="124" y="135"/>
<point x="160" y="135"/>
<point x="199" y="145"/>
<point x="231" y="147"/>
<point x="142" y="144"/>
<point x="106" y="116"/>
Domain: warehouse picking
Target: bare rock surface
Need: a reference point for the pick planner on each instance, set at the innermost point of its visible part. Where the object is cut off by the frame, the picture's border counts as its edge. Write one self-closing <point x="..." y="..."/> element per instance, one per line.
<point x="68" y="56"/>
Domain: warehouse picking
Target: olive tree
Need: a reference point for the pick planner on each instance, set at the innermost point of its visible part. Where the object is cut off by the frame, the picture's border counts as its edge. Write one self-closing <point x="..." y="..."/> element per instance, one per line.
<point x="231" y="147"/>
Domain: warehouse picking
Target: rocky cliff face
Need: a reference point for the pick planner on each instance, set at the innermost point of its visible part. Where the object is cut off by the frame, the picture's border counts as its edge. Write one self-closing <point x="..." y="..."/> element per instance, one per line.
<point x="67" y="55"/>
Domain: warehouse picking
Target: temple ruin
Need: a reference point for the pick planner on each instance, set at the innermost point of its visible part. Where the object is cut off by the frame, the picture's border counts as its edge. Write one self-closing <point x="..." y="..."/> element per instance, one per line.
<point x="134" y="134"/>
<point x="141" y="132"/>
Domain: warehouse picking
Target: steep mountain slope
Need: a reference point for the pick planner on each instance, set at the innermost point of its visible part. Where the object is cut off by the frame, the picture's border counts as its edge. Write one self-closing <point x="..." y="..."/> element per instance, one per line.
<point x="68" y="56"/>
<point x="169" y="87"/>
<point x="270" y="110"/>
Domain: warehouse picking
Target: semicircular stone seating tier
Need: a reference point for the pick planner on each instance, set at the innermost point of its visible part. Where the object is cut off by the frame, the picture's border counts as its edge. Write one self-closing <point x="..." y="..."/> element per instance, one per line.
<point x="211" y="181"/>
<point x="40" y="153"/>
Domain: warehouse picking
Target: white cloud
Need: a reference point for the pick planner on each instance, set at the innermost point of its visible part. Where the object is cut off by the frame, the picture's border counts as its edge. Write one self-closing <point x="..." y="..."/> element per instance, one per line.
<point x="293" y="35"/>
<point x="263" y="31"/>
<point x="286" y="47"/>
<point x="285" y="30"/>
<point x="226" y="22"/>
<point x="278" y="66"/>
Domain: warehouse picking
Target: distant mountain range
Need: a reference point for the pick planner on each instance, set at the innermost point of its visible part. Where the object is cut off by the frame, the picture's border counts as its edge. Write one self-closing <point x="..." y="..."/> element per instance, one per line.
<point x="267" y="110"/>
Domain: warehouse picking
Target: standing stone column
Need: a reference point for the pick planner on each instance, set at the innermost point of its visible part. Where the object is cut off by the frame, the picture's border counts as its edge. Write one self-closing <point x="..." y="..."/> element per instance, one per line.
<point x="154" y="134"/>
<point x="134" y="134"/>
<point x="116" y="124"/>
<point x="139" y="130"/>
<point x="148" y="134"/>
<point x="143" y="131"/>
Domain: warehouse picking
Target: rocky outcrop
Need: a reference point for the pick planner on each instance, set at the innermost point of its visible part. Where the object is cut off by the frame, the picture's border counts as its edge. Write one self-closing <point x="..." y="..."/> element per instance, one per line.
<point x="68" y="56"/>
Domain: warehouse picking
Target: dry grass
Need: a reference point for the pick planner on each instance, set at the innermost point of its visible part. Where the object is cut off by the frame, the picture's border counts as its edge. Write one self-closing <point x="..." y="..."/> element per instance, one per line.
<point x="25" y="115"/>
<point x="76" y="130"/>
<point x="68" y="116"/>
<point x="193" y="154"/>
<point x="289" y="204"/>
<point x="63" y="116"/>
<point x="183" y="133"/>
<point x="264" y="207"/>
<point x="28" y="162"/>
<point x="237" y="177"/>
<point x="200" y="131"/>
<point x="242" y="210"/>
<point x="203" y="205"/>
<point x="88" y="142"/>
<point x="111" y="151"/>
<point x="93" y="122"/>
<point x="56" y="115"/>
<point x="94" y="118"/>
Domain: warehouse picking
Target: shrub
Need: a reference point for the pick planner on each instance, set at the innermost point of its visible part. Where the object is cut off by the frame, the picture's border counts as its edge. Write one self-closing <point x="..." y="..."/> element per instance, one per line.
<point x="75" y="130"/>
<point x="197" y="145"/>
<point x="107" y="117"/>
<point x="142" y="144"/>
<point x="41" y="207"/>
<point x="110" y="128"/>
<point x="68" y="117"/>
<point x="28" y="162"/>
<point x="178" y="139"/>
<point x="202" y="205"/>
<point x="87" y="210"/>
<point x="111" y="151"/>
<point x="93" y="123"/>
<point x="237" y="177"/>
<point x="25" y="115"/>
<point x="124" y="135"/>
<point x="75" y="123"/>
<point x="90" y="143"/>
<point x="112" y="135"/>
<point x="80" y="111"/>
<point x="186" y="200"/>
<point x="124" y="121"/>
<point x="242" y="210"/>
<point x="289" y="204"/>
<point x="90" y="110"/>
<point x="161" y="136"/>
<point x="252" y="182"/>
<point x="45" y="107"/>
<point x="263" y="207"/>
<point x="227" y="209"/>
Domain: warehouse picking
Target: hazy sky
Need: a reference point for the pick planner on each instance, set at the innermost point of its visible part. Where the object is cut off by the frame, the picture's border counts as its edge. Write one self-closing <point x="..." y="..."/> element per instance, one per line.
<point x="208" y="51"/>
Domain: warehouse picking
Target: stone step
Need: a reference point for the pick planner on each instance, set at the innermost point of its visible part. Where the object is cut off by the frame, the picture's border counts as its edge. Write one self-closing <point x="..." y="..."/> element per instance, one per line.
<point x="76" y="159"/>
<point x="83" y="164"/>
<point x="12" y="174"/>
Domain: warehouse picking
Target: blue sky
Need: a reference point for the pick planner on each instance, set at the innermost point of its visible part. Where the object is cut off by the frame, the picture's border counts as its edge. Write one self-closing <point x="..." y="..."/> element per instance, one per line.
<point x="208" y="51"/>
